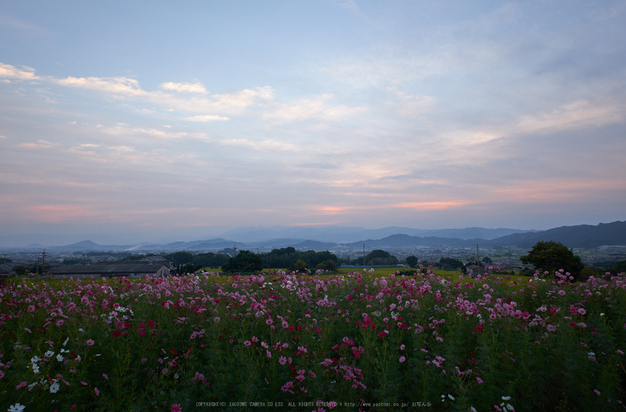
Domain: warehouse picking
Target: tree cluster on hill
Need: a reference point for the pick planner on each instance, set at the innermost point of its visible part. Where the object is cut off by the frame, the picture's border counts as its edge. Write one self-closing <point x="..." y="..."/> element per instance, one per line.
<point x="376" y="257"/>
<point x="288" y="258"/>
<point x="244" y="262"/>
<point x="552" y="256"/>
<point x="187" y="262"/>
<point x="411" y="261"/>
<point x="450" y="263"/>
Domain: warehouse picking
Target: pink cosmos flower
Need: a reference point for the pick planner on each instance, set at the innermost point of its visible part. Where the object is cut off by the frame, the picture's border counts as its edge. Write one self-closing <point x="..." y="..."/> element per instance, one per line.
<point x="597" y="392"/>
<point x="176" y="407"/>
<point x="479" y="380"/>
<point x="402" y="359"/>
<point x="96" y="391"/>
<point x="282" y="360"/>
<point x="90" y="342"/>
<point x="21" y="385"/>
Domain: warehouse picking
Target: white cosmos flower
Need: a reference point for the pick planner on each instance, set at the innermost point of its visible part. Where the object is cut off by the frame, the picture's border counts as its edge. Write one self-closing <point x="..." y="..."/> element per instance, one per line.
<point x="54" y="388"/>
<point x="16" y="408"/>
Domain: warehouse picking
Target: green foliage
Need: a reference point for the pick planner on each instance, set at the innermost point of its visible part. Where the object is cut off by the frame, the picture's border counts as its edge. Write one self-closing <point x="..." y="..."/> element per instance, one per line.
<point x="620" y="267"/>
<point x="411" y="261"/>
<point x="244" y="262"/>
<point x="20" y="270"/>
<point x="287" y="258"/>
<point x="587" y="272"/>
<point x="299" y="265"/>
<point x="377" y="257"/>
<point x="210" y="259"/>
<point x="187" y="268"/>
<point x="553" y="256"/>
<point x="450" y="263"/>
<point x="179" y="258"/>
<point x="328" y="265"/>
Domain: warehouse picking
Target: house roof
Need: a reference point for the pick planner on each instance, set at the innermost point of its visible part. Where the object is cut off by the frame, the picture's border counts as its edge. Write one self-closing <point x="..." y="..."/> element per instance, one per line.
<point x="109" y="268"/>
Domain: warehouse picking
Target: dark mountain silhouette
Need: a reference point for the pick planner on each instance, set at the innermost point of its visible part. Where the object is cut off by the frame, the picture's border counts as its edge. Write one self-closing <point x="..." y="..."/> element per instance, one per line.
<point x="580" y="236"/>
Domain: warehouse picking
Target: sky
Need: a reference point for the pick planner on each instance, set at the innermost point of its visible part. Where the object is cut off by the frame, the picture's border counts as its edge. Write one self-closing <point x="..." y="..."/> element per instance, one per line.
<point x="143" y="118"/>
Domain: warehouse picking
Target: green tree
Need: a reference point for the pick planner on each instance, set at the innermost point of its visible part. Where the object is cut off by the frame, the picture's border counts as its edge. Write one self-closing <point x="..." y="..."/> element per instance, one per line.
<point x="411" y="261"/>
<point x="328" y="265"/>
<point x="180" y="258"/>
<point x="244" y="262"/>
<point x="552" y="256"/>
<point x="620" y="266"/>
<point x="380" y="257"/>
<point x="450" y="263"/>
<point x="299" y="265"/>
<point x="20" y="270"/>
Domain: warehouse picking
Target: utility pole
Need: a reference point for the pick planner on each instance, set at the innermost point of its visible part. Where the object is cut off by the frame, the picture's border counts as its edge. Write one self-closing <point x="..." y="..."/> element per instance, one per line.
<point x="477" y="256"/>
<point x="234" y="250"/>
<point x="43" y="262"/>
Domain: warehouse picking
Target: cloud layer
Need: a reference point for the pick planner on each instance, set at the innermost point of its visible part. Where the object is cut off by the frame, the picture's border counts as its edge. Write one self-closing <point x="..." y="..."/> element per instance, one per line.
<point x="348" y="113"/>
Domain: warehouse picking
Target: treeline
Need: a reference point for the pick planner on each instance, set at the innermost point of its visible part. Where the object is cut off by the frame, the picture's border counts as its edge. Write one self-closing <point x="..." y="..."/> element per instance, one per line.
<point x="187" y="262"/>
<point x="288" y="257"/>
<point x="375" y="258"/>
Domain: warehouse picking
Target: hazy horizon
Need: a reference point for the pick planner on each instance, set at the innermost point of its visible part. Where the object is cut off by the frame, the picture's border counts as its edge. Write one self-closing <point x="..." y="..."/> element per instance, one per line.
<point x="147" y="120"/>
<point x="254" y="234"/>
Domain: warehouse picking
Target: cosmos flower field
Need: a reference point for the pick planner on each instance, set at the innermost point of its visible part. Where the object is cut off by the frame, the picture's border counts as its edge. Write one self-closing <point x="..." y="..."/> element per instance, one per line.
<point x="308" y="342"/>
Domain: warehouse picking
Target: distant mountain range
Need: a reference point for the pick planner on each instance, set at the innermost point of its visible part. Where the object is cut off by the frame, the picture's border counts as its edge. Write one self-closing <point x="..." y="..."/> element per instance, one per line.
<point x="324" y="238"/>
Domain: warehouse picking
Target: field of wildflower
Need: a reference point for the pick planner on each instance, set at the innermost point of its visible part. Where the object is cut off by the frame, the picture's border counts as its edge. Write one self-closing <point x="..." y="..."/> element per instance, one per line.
<point x="293" y="341"/>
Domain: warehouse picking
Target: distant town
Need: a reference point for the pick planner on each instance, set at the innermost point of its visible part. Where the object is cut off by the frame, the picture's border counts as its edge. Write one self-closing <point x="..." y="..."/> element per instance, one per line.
<point x="599" y="247"/>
